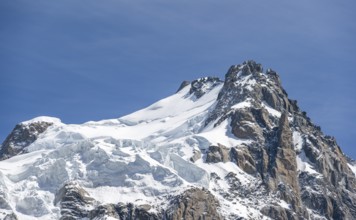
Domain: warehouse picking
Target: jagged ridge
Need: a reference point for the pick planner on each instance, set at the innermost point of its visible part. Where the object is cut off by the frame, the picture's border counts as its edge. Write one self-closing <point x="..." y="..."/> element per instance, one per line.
<point x="238" y="144"/>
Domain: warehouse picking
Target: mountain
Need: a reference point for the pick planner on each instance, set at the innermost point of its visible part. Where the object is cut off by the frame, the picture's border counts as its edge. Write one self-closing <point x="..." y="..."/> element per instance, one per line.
<point x="236" y="148"/>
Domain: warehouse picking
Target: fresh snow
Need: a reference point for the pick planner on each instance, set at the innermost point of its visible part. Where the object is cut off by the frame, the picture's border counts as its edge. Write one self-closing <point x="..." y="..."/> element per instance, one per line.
<point x="244" y="104"/>
<point x="43" y="119"/>
<point x="144" y="157"/>
<point x="298" y="141"/>
<point x="221" y="134"/>
<point x="352" y="167"/>
<point x="271" y="110"/>
<point x="304" y="165"/>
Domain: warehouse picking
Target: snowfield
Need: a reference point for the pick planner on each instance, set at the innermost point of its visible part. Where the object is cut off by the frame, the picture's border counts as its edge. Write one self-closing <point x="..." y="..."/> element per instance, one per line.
<point x="140" y="158"/>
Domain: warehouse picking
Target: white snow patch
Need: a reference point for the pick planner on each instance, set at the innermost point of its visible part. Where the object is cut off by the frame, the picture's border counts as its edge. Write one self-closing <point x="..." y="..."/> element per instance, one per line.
<point x="284" y="204"/>
<point x="304" y="164"/>
<point x="297" y="141"/>
<point x="244" y="104"/>
<point x="271" y="110"/>
<point x="352" y="167"/>
<point x="222" y="134"/>
<point x="43" y="119"/>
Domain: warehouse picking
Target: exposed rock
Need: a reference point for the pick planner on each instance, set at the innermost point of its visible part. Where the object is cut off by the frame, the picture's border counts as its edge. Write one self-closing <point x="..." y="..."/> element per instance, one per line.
<point x="242" y="157"/>
<point x="74" y="201"/>
<point x="332" y="195"/>
<point x="196" y="156"/>
<point x="244" y="125"/>
<point x="288" y="168"/>
<point x="182" y="85"/>
<point x="11" y="216"/>
<point x="22" y="136"/>
<point x="270" y="98"/>
<point x="278" y="213"/>
<point x="283" y="167"/>
<point x="217" y="154"/>
<point x="194" y="204"/>
<point x="273" y="75"/>
<point x="262" y="118"/>
<point x="253" y="66"/>
<point x="203" y="85"/>
<point x="123" y="212"/>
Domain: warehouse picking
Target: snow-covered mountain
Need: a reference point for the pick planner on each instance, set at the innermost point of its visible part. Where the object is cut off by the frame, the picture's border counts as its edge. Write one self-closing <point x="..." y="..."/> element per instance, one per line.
<point x="236" y="148"/>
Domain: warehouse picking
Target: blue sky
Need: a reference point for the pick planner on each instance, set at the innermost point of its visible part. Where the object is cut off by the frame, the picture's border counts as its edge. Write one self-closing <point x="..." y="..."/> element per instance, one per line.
<point x="91" y="60"/>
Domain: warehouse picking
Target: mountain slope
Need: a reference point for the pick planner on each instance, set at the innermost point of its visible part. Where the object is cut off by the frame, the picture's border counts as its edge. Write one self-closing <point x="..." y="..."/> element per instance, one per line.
<point x="236" y="148"/>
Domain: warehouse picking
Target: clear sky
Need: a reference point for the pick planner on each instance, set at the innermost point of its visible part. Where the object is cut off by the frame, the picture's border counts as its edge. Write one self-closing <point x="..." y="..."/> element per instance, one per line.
<point x="91" y="60"/>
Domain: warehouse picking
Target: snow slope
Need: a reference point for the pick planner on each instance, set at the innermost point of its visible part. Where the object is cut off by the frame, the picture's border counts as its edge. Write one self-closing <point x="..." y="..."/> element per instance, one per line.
<point x="144" y="157"/>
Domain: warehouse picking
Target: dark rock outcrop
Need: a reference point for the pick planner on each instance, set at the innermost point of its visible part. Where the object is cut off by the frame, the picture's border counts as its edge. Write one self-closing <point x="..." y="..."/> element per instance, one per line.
<point x="182" y="85"/>
<point x="327" y="191"/>
<point x="74" y="202"/>
<point x="196" y="156"/>
<point x="242" y="157"/>
<point x="203" y="85"/>
<point x="123" y="212"/>
<point x="244" y="125"/>
<point x="217" y="154"/>
<point x="278" y="213"/>
<point x="21" y="137"/>
<point x="194" y="204"/>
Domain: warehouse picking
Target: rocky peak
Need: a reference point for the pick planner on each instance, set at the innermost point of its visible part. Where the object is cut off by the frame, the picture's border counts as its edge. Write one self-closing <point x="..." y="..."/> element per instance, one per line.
<point x="248" y="83"/>
<point x="249" y="67"/>
<point x="23" y="135"/>
<point x="203" y="85"/>
<point x="284" y="143"/>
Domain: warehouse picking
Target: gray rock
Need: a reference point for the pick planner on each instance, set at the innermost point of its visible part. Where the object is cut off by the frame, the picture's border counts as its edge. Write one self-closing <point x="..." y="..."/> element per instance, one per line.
<point x="74" y="201"/>
<point x="194" y="204"/>
<point x="196" y="156"/>
<point x="244" y="125"/>
<point x="21" y="137"/>
<point x="217" y="154"/>
<point x="182" y="85"/>
<point x="278" y="213"/>
<point x="203" y="85"/>
<point x="242" y="157"/>
<point x="123" y="212"/>
<point x="270" y="98"/>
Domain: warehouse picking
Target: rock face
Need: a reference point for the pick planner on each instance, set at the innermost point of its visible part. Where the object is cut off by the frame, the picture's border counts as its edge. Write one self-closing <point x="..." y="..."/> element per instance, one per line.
<point x="74" y="202"/>
<point x="217" y="154"/>
<point x="194" y="204"/>
<point x="329" y="192"/>
<point x="22" y="136"/>
<point x="236" y="148"/>
<point x="124" y="212"/>
<point x="274" y="155"/>
<point x="203" y="85"/>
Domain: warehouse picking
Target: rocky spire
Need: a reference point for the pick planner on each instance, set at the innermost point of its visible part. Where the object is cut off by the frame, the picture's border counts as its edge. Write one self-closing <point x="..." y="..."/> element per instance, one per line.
<point x="273" y="121"/>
